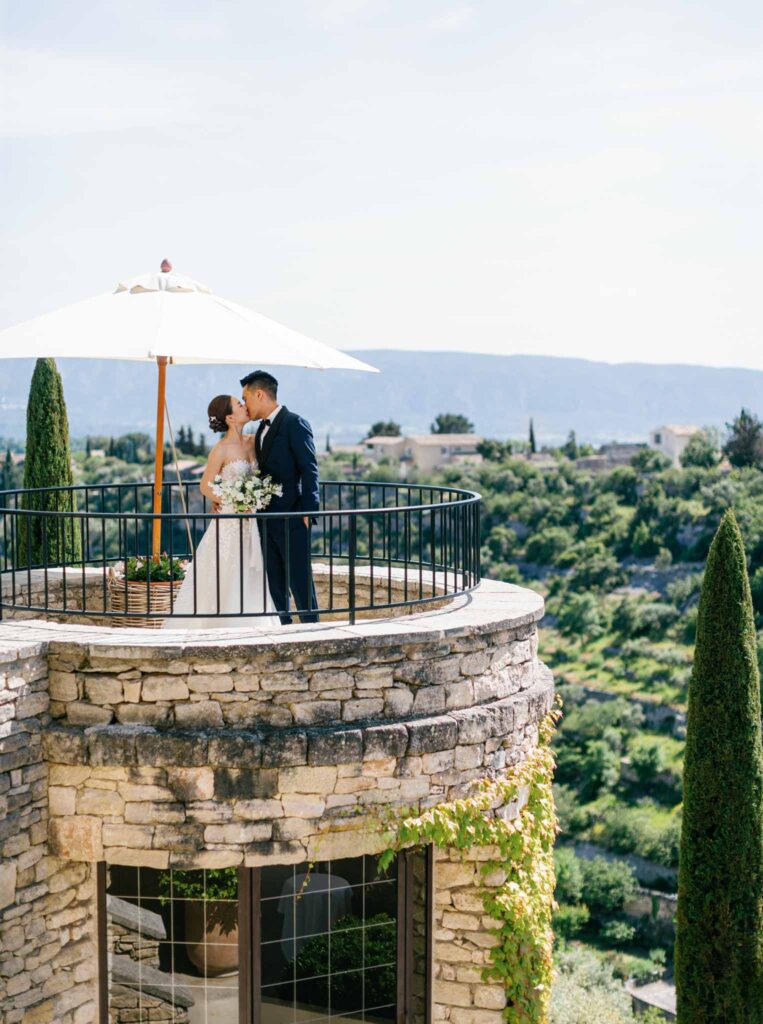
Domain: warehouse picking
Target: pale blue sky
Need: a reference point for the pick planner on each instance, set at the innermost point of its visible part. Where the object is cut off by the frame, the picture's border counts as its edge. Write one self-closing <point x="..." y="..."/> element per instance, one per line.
<point x="559" y="178"/>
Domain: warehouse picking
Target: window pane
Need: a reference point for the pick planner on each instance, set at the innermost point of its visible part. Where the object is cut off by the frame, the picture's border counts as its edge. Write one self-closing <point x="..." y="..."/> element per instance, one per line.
<point x="172" y="937"/>
<point x="333" y="934"/>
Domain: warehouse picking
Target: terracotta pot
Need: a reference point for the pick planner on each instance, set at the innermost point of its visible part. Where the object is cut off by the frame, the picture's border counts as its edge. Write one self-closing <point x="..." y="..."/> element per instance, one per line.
<point x="221" y="957"/>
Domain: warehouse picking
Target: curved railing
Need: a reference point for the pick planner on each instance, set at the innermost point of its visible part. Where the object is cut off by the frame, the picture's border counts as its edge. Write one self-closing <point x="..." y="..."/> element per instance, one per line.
<point x="376" y="548"/>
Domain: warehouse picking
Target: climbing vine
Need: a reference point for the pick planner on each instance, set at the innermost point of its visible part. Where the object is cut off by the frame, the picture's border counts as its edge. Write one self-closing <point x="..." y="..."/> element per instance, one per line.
<point x="524" y="901"/>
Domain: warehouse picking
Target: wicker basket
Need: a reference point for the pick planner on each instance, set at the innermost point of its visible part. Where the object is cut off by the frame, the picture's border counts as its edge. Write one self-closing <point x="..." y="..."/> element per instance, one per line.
<point x="133" y="598"/>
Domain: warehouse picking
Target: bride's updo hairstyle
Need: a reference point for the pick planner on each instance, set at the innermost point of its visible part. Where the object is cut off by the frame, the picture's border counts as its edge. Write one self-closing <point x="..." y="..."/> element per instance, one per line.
<point x="219" y="408"/>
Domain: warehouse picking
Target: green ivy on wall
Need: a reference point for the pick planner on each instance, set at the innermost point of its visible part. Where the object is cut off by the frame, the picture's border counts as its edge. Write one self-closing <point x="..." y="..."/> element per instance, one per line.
<point x="524" y="853"/>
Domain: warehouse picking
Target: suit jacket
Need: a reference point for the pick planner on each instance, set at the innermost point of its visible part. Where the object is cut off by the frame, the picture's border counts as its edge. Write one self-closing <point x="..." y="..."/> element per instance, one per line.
<point x="288" y="456"/>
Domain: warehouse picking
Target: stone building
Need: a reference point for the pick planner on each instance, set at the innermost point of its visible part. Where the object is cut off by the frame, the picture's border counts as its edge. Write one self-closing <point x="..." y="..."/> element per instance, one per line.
<point x="191" y="820"/>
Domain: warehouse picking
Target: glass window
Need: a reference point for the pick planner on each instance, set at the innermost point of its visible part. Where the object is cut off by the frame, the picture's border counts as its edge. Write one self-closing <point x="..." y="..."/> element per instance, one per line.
<point x="328" y="942"/>
<point x="172" y="939"/>
<point x="281" y="944"/>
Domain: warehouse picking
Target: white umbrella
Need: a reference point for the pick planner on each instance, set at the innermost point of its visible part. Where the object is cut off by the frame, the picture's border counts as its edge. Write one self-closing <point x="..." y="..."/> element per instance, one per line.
<point x="169" y="318"/>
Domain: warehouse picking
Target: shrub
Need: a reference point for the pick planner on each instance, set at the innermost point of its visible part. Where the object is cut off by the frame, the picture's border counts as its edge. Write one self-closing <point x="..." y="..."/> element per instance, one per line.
<point x="619" y="933"/>
<point x="585" y="991"/>
<point x="545" y="546"/>
<point x="719" y="938"/>
<point x="607" y="884"/>
<point x="647" y="760"/>
<point x="583" y="615"/>
<point x="569" y="919"/>
<point x="599" y="767"/>
<point x="569" y="875"/>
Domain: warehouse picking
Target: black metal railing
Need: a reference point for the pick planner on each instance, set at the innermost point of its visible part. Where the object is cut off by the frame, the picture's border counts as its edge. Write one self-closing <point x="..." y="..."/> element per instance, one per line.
<point x="372" y="547"/>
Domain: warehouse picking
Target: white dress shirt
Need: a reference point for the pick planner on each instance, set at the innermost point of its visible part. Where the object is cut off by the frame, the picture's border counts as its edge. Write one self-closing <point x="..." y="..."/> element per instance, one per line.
<point x="271" y="417"/>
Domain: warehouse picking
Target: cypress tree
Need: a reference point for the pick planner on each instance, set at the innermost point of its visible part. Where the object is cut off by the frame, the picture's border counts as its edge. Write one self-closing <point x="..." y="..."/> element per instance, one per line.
<point x="531" y="439"/>
<point x="719" y="938"/>
<point x="48" y="463"/>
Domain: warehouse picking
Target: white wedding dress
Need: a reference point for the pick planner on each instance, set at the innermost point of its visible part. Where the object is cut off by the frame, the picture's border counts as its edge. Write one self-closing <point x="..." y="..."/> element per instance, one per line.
<point x="241" y="584"/>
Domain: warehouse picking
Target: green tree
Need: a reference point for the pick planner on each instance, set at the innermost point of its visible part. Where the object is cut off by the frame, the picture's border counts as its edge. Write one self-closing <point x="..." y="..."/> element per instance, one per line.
<point x="702" y="451"/>
<point x="719" y="939"/>
<point x="531" y="439"/>
<point x="570" y="447"/>
<point x="744" y="446"/>
<point x="9" y="474"/>
<point x="452" y="423"/>
<point x="48" y="464"/>
<point x="384" y="428"/>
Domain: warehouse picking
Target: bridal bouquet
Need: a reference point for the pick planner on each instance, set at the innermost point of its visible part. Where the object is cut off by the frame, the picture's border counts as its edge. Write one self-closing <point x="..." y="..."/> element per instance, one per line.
<point x="241" y="488"/>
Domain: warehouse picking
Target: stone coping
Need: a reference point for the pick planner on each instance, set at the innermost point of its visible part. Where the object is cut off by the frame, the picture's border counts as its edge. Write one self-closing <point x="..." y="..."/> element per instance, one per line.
<point x="491" y="607"/>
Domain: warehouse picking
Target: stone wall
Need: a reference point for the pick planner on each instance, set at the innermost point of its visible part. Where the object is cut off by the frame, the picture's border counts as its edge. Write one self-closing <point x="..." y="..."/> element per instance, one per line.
<point x="220" y="748"/>
<point x="47" y="955"/>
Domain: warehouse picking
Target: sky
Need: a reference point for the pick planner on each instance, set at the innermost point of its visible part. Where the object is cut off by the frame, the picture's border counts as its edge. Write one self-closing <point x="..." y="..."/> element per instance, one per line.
<point x="558" y="178"/>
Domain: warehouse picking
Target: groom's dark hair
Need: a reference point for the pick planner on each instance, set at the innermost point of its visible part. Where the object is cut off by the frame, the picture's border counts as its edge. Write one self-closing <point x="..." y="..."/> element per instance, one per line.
<point x="261" y="379"/>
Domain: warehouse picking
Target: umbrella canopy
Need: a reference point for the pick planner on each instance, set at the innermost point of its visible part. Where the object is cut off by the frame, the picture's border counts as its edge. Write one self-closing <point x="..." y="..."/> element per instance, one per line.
<point x="169" y="318"/>
<point x="170" y="315"/>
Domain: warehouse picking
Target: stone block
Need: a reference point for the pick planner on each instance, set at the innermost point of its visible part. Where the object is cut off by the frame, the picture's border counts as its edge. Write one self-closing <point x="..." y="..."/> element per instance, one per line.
<point x="452" y="993"/>
<point x="76" y="838"/>
<point x="469" y="757"/>
<point x="188" y="784"/>
<point x="432" y="734"/>
<point x="319" y="712"/>
<point x="362" y="708"/>
<point x="8" y="873"/>
<point x="215" y="683"/>
<point x="383" y="741"/>
<point x="185" y="838"/>
<point x="67" y="775"/>
<point x="235" y="750"/>
<point x="320" y="780"/>
<point x="63" y="686"/>
<point x="154" y="814"/>
<point x="260" y="853"/>
<point x="397" y="703"/>
<point x="238" y="833"/>
<point x="298" y="805"/>
<point x="284" y="749"/>
<point x="64" y="745"/>
<point x="244" y="783"/>
<point x="103" y="690"/>
<point x="167" y="687"/>
<point x="79" y="713"/>
<point x="61" y="800"/>
<point x="258" y="810"/>
<point x="476" y="663"/>
<point x="101" y="802"/>
<point x="459" y="695"/>
<point x="158" y="859"/>
<point x="334" y="748"/>
<point x="174" y="748"/>
<point x="113" y="745"/>
<point x="143" y="714"/>
<point x="453" y="875"/>
<point x="475" y="1016"/>
<point x="202" y="714"/>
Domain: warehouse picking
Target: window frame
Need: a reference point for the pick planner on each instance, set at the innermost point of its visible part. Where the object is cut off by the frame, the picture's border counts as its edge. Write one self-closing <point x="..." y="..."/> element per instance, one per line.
<point x="249" y="890"/>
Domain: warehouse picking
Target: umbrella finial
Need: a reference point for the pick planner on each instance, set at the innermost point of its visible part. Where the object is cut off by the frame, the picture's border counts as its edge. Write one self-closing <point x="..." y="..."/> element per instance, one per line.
<point x="166" y="267"/>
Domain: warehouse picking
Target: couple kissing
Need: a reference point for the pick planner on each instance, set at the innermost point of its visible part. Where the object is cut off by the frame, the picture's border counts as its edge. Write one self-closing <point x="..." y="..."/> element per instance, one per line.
<point x="245" y="566"/>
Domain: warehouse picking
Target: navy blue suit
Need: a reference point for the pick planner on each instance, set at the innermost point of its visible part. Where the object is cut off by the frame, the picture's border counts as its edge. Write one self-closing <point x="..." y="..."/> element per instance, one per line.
<point x="287" y="454"/>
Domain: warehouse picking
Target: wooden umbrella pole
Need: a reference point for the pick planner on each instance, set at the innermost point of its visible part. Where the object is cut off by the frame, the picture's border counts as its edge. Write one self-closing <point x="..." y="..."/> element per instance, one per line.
<point x="156" y="545"/>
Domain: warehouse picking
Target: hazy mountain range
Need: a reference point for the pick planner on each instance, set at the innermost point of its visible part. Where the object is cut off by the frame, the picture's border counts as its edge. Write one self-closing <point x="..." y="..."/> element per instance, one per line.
<point x="600" y="401"/>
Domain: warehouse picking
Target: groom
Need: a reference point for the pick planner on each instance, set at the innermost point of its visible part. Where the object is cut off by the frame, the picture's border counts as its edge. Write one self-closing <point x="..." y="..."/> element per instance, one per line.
<point x="286" y="452"/>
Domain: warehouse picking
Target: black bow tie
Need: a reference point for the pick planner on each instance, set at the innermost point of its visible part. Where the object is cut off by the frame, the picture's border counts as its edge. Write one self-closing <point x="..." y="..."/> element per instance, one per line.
<point x="265" y="423"/>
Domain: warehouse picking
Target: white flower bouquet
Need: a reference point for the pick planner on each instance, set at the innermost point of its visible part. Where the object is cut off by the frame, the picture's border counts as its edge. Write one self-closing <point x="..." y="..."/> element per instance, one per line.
<point x="241" y="488"/>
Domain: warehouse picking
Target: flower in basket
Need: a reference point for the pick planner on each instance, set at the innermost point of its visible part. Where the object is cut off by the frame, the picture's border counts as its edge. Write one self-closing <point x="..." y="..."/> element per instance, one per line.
<point x="141" y="569"/>
<point x="240" y="487"/>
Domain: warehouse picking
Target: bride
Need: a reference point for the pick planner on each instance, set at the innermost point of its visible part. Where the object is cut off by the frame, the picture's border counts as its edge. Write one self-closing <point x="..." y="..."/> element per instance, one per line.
<point x="227" y="574"/>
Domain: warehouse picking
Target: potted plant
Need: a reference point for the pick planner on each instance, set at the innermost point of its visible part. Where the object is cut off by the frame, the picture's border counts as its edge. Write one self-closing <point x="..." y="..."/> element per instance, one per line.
<point x="142" y="584"/>
<point x="211" y="916"/>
